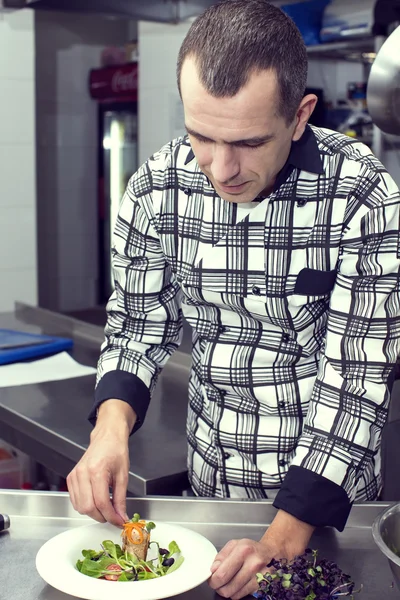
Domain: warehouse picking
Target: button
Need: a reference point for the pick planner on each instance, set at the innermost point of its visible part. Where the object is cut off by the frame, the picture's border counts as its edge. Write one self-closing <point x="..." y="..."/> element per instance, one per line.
<point x="282" y="404"/>
<point x="301" y="202"/>
<point x="285" y="337"/>
<point x="282" y="463"/>
<point x="222" y="393"/>
<point x="256" y="290"/>
<point x="227" y="455"/>
<point x="223" y="329"/>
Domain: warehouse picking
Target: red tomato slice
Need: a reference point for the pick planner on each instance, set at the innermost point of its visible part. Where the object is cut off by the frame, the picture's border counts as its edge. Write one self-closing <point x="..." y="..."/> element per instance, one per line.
<point x="115" y="568"/>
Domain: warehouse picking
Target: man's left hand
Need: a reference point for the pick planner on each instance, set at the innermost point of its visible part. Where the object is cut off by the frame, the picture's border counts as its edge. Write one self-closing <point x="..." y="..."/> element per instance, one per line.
<point x="235" y="567"/>
<point x="233" y="573"/>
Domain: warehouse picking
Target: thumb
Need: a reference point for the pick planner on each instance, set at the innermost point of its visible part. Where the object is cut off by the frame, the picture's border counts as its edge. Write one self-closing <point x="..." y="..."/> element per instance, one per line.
<point x="119" y="496"/>
<point x="215" y="565"/>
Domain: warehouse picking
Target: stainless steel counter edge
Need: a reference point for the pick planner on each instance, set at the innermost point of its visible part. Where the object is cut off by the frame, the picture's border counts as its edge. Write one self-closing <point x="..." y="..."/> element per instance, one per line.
<point x="173" y="509"/>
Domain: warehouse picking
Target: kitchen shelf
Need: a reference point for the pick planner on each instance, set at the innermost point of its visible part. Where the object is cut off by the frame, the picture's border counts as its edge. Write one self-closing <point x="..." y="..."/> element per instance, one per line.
<point x="360" y="49"/>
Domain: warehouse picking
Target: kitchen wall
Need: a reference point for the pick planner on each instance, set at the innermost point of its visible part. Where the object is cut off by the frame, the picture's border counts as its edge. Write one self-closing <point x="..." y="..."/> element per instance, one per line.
<point x="160" y="110"/>
<point x="18" y="263"/>
<point x="68" y="45"/>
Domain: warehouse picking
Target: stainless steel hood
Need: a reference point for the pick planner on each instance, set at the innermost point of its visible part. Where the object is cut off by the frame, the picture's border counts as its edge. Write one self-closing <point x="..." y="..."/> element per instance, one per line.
<point x="383" y="93"/>
<point x="163" y="11"/>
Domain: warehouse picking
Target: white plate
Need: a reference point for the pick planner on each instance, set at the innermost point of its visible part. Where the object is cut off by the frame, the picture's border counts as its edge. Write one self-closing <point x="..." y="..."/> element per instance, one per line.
<point x="57" y="558"/>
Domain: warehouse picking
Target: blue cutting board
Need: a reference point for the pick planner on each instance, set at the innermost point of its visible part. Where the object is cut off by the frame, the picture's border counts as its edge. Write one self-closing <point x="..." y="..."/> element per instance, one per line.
<point x="19" y="345"/>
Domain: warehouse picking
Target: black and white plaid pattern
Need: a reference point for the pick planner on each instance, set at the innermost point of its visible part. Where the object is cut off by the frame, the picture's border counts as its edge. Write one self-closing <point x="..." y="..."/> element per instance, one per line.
<point x="287" y="368"/>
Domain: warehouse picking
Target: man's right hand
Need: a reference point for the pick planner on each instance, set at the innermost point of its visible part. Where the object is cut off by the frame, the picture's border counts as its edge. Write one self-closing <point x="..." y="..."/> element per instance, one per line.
<point x="104" y="465"/>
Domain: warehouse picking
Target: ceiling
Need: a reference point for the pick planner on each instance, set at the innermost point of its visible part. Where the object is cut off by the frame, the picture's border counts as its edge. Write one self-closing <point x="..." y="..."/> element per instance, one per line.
<point x="163" y="11"/>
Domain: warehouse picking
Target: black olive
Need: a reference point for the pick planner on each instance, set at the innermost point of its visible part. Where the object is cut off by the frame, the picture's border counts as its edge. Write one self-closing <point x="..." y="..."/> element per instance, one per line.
<point x="163" y="551"/>
<point x="167" y="562"/>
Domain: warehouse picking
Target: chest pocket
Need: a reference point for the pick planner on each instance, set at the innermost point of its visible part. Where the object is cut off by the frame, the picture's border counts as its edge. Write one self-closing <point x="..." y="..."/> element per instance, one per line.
<point x="313" y="282"/>
<point x="309" y="299"/>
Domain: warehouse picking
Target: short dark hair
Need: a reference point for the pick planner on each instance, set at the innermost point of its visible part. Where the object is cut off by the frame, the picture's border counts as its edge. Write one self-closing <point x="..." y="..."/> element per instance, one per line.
<point x="234" y="38"/>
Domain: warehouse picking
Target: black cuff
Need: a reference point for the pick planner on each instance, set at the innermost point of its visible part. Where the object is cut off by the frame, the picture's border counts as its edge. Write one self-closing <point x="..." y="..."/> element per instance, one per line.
<point x="121" y="385"/>
<point x="313" y="499"/>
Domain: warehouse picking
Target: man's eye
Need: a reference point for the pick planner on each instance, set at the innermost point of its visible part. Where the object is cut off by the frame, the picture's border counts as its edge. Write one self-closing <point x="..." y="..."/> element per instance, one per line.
<point x="253" y="145"/>
<point x="201" y="140"/>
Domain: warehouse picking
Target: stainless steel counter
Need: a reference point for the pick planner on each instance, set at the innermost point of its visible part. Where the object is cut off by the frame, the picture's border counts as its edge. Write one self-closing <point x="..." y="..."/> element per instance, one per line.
<point x="38" y="516"/>
<point x="48" y="421"/>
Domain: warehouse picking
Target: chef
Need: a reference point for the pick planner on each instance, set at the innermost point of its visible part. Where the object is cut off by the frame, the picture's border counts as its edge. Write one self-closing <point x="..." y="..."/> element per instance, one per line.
<point x="279" y="243"/>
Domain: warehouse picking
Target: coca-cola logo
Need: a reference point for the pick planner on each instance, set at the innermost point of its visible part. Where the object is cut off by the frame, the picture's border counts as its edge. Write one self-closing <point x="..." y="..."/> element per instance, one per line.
<point x="124" y="82"/>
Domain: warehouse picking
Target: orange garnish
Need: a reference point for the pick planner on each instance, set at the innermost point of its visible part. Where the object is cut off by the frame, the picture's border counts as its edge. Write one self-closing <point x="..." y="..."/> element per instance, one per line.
<point x="138" y="527"/>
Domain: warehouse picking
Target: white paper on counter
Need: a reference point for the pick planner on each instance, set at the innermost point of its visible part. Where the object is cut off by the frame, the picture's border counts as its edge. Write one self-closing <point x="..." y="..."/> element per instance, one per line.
<point x="53" y="368"/>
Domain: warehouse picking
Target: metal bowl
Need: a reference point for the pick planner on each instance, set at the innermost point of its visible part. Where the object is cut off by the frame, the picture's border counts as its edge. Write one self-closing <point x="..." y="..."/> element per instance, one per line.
<point x="386" y="533"/>
<point x="383" y="92"/>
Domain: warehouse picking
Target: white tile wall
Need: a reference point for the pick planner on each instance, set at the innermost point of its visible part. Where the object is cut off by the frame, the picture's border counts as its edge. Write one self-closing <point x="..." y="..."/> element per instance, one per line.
<point x="16" y="44"/>
<point x="17" y="285"/>
<point x="17" y="107"/>
<point x="158" y="94"/>
<point x="19" y="250"/>
<point x="17" y="176"/>
<point x="154" y="119"/>
<point x="18" y="264"/>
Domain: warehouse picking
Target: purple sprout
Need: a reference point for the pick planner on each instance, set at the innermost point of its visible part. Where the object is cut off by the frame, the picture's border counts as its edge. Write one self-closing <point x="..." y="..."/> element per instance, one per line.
<point x="304" y="578"/>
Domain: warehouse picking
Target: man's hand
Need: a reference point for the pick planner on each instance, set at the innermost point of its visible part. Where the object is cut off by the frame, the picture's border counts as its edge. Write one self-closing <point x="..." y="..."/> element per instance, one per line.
<point x="104" y="465"/>
<point x="235" y="567"/>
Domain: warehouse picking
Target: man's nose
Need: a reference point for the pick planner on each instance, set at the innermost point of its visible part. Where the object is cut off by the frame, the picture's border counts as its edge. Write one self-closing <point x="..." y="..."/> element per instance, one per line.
<point x="225" y="166"/>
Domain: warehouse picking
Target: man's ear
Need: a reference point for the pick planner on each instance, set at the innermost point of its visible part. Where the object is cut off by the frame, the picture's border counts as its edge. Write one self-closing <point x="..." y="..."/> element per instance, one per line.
<point x="304" y="112"/>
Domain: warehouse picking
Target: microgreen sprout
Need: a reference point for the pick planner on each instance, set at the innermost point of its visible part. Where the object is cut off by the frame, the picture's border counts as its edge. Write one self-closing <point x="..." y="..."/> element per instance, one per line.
<point x="304" y="578"/>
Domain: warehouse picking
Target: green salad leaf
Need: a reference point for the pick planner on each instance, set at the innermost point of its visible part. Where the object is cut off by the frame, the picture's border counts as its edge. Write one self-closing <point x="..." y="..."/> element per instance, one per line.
<point x="126" y="566"/>
<point x="126" y="577"/>
<point x="112" y="549"/>
<point x="176" y="564"/>
<point x="96" y="568"/>
<point x="173" y="548"/>
<point x="92" y="554"/>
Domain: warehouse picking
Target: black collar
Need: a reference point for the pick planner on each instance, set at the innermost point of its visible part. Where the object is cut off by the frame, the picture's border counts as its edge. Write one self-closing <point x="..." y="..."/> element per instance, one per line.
<point x="304" y="154"/>
<point x="189" y="157"/>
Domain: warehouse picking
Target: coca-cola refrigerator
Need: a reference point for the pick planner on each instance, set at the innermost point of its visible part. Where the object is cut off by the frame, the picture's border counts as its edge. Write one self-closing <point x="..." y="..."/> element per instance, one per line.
<point x="116" y="91"/>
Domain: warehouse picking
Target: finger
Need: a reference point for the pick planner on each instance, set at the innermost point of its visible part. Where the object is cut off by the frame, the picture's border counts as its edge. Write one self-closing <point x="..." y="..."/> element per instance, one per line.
<point x="242" y="584"/>
<point x="71" y="491"/>
<point x="119" y="495"/>
<point x="102" y="500"/>
<point x="247" y="590"/>
<point x="226" y="572"/>
<point x="84" y="497"/>
<point x="223" y="554"/>
<point x="215" y="565"/>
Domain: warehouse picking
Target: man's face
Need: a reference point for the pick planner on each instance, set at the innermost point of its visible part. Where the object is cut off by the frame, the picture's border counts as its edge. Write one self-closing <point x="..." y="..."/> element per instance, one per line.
<point x="239" y="142"/>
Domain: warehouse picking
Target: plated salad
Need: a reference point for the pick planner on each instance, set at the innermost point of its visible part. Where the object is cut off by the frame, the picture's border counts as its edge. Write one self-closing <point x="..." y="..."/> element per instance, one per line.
<point x="129" y="561"/>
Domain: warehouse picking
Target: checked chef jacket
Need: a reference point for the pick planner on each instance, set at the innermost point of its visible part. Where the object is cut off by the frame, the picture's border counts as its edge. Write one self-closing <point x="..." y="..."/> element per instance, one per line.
<point x="294" y="302"/>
